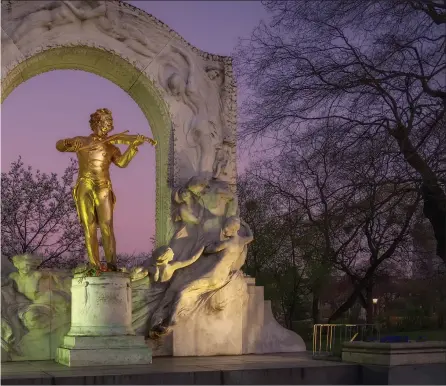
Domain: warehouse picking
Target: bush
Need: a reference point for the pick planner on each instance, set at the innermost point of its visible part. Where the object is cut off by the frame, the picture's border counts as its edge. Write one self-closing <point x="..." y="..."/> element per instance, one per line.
<point x="411" y="323"/>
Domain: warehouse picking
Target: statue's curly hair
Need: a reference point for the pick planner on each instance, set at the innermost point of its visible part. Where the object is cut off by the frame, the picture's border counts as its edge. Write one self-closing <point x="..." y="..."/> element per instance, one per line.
<point x="232" y="222"/>
<point x="99" y="115"/>
<point x="26" y="258"/>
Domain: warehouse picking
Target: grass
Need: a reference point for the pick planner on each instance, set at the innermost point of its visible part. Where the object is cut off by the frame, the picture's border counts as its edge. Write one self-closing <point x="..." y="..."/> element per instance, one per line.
<point x="428" y="335"/>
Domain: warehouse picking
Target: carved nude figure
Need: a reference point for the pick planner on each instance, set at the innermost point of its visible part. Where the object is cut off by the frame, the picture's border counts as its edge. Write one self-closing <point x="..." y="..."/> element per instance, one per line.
<point x="187" y="208"/>
<point x="178" y="89"/>
<point x="220" y="203"/>
<point x="205" y="135"/>
<point x="41" y="20"/>
<point x="216" y="75"/>
<point x="210" y="272"/>
<point x="27" y="277"/>
<point x="186" y="211"/>
<point x="230" y="247"/>
<point x="110" y="24"/>
<point x="37" y="285"/>
<point x="222" y="157"/>
<point x="165" y="267"/>
<point x="187" y="82"/>
<point x="180" y="83"/>
<point x="11" y="305"/>
<point x="34" y="304"/>
<point x="187" y="215"/>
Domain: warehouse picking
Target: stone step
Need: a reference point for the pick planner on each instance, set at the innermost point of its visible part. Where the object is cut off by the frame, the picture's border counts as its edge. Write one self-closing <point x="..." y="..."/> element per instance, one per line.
<point x="99" y="342"/>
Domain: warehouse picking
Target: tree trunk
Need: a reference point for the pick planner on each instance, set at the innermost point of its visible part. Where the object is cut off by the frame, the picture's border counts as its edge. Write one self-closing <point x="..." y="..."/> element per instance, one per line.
<point x="370" y="306"/>
<point x="350" y="302"/>
<point x="315" y="309"/>
<point x="435" y="211"/>
<point x="433" y="195"/>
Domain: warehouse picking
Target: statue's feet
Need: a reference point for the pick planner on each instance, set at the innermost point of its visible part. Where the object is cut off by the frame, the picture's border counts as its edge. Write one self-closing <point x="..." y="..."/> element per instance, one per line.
<point x="87" y="270"/>
<point x="84" y="267"/>
<point x="158" y="331"/>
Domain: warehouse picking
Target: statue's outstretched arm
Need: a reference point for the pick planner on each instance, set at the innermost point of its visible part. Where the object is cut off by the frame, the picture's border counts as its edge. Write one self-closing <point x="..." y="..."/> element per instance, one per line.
<point x="122" y="160"/>
<point x="70" y="144"/>
<point x="217" y="247"/>
<point x="249" y="235"/>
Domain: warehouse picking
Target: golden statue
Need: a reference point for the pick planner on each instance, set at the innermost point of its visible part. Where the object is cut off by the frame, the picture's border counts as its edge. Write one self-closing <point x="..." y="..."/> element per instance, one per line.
<point x="93" y="193"/>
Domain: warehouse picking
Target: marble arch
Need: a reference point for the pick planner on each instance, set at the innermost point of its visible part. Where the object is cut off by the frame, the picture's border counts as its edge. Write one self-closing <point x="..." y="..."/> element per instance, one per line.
<point x="181" y="90"/>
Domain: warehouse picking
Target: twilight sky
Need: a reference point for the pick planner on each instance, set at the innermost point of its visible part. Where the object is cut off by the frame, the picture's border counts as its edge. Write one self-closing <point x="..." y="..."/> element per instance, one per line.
<point x="58" y="104"/>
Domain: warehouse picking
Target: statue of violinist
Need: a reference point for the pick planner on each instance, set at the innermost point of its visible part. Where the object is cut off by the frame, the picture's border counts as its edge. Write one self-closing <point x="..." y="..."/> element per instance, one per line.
<point x="93" y="193"/>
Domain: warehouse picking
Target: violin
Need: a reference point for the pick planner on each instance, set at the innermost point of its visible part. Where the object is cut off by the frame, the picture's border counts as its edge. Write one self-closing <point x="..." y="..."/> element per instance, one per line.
<point x="123" y="138"/>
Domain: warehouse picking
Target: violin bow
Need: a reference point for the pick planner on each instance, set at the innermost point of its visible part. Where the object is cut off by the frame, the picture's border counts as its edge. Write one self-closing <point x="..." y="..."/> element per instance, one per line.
<point x="91" y="145"/>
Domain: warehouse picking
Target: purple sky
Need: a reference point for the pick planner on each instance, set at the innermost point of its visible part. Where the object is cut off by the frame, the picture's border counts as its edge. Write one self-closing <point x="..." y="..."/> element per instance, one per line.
<point x="57" y="104"/>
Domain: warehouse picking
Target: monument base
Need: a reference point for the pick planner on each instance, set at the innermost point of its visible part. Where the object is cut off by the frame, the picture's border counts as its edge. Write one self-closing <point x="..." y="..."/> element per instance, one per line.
<point x="244" y="325"/>
<point x="103" y="350"/>
<point x="394" y="354"/>
<point x="101" y="324"/>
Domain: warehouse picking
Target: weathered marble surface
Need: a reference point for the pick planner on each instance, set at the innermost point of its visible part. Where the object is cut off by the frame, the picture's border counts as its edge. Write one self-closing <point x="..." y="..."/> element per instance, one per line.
<point x="216" y="329"/>
<point x="102" y="305"/>
<point x="105" y="351"/>
<point x="101" y="330"/>
<point x="35" y="310"/>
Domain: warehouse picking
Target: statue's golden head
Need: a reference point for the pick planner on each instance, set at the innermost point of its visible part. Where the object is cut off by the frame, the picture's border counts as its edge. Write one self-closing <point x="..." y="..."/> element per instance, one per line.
<point x="101" y="121"/>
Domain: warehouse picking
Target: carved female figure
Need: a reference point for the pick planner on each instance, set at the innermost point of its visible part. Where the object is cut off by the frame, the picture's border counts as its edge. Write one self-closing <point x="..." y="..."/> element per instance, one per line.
<point x="222" y="157"/>
<point x="165" y="268"/>
<point x="192" y="284"/>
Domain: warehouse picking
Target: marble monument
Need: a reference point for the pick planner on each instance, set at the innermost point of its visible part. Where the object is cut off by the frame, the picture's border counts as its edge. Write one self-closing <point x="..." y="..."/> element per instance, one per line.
<point x="191" y="298"/>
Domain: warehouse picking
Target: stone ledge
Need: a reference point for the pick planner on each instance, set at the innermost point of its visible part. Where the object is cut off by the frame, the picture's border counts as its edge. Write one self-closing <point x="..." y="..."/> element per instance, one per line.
<point x="106" y="350"/>
<point x="92" y="342"/>
<point x="424" y="374"/>
<point x="393" y="354"/>
<point x="106" y="356"/>
<point x="278" y="369"/>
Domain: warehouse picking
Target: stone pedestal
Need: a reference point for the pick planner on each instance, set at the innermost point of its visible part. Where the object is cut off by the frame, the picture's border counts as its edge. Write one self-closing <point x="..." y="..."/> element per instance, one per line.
<point x="244" y="325"/>
<point x="394" y="354"/>
<point x="101" y="324"/>
<point x="211" y="332"/>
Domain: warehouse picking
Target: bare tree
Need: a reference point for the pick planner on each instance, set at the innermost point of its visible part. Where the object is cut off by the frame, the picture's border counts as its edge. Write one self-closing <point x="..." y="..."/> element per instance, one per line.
<point x="272" y="258"/>
<point x="365" y="68"/>
<point x="355" y="213"/>
<point x="38" y="214"/>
